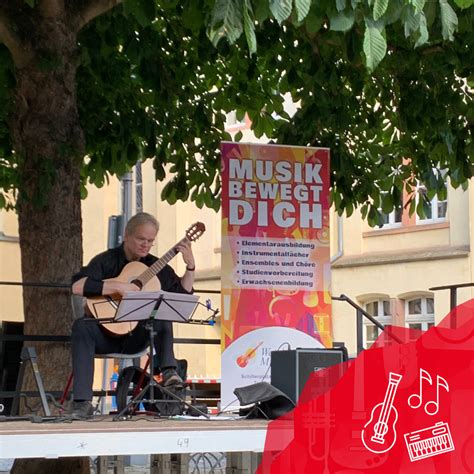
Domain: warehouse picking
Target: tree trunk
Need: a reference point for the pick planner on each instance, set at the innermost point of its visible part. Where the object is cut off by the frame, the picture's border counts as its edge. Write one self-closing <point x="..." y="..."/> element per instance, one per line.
<point x="49" y="142"/>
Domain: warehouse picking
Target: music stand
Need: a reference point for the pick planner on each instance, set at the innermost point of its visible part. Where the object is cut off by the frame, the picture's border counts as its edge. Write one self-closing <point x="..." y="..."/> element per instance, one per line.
<point x="147" y="306"/>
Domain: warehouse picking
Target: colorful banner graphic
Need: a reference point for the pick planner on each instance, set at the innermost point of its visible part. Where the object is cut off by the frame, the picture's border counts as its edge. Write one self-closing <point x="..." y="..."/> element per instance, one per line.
<point x="406" y="405"/>
<point x="275" y="257"/>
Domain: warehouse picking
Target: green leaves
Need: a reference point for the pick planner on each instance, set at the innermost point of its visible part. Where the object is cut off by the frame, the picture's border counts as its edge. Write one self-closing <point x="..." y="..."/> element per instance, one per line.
<point x="313" y="21"/>
<point x="380" y="7"/>
<point x="418" y="5"/>
<point x="302" y="8"/>
<point x="416" y="17"/>
<point x="143" y="10"/>
<point x="375" y="45"/>
<point x="226" y="21"/>
<point x="231" y="17"/>
<point x="415" y="25"/>
<point x="281" y="9"/>
<point x="342" y="21"/>
<point x="249" y="27"/>
<point x="449" y="20"/>
<point x="464" y="3"/>
<point x="423" y="29"/>
<point x="151" y="86"/>
<point x="193" y="16"/>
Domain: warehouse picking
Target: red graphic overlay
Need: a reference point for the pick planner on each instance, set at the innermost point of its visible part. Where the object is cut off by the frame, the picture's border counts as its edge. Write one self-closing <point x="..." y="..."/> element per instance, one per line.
<point x="427" y="379"/>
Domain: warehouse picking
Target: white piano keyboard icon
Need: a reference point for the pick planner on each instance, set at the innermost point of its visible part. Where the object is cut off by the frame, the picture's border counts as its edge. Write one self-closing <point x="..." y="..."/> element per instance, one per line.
<point x="429" y="441"/>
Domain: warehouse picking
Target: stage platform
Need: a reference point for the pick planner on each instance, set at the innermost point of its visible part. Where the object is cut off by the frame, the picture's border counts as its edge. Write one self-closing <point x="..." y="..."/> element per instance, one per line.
<point x="101" y="436"/>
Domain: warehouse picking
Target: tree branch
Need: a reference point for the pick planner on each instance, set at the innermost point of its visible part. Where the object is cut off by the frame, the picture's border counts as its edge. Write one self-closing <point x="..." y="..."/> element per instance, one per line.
<point x="432" y="50"/>
<point x="92" y="10"/>
<point x="51" y="8"/>
<point x="19" y="51"/>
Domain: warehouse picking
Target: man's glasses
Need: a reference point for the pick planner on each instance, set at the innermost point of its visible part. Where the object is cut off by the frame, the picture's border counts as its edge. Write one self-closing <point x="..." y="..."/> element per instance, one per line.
<point x="142" y="240"/>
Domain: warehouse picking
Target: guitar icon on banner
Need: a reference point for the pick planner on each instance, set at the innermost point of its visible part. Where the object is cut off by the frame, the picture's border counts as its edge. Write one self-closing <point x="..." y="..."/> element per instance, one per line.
<point x="249" y="354"/>
<point x="379" y="434"/>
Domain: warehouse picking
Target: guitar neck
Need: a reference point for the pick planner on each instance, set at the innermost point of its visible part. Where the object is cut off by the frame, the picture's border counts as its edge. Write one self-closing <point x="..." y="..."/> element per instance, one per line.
<point x="389" y="396"/>
<point x="388" y="401"/>
<point x="152" y="271"/>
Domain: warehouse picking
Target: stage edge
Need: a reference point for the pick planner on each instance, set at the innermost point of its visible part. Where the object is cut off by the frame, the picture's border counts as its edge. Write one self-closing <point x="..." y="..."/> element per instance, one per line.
<point x="108" y="444"/>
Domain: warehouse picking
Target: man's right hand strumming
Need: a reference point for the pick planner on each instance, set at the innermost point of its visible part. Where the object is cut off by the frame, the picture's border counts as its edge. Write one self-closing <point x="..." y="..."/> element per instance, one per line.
<point x="108" y="287"/>
<point x="118" y="287"/>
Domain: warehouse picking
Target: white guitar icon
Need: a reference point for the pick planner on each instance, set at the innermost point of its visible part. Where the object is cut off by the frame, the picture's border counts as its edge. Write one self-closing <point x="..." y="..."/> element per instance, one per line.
<point x="379" y="434"/>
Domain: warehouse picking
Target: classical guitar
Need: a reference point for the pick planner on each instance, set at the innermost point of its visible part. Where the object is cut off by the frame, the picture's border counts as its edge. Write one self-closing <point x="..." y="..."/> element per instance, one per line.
<point x="105" y="307"/>
<point x="379" y="434"/>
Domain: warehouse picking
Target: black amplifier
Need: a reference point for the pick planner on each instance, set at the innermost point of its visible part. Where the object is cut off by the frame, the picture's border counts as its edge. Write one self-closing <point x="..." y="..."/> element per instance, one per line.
<point x="291" y="369"/>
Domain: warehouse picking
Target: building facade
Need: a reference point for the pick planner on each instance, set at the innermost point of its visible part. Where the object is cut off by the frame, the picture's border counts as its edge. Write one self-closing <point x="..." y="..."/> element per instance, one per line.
<point x="389" y="270"/>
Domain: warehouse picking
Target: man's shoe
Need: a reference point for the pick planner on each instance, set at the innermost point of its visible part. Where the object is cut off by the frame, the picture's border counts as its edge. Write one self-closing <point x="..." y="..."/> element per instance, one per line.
<point x="82" y="410"/>
<point x="171" y="378"/>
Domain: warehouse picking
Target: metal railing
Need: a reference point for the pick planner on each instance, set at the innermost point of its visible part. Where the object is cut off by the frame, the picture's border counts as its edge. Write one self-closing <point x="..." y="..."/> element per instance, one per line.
<point x="453" y="298"/>
<point x="48" y="338"/>
<point x="453" y="290"/>
<point x="68" y="286"/>
<point x="361" y="313"/>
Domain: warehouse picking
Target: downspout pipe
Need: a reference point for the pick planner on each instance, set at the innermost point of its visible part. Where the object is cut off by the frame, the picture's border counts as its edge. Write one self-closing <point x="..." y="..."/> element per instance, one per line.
<point x="340" y="241"/>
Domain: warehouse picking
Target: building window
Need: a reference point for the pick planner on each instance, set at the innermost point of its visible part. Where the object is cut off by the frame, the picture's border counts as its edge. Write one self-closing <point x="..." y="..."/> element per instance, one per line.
<point x="392" y="219"/>
<point x="380" y="309"/>
<point x="420" y="313"/>
<point x="435" y="211"/>
<point x="437" y="208"/>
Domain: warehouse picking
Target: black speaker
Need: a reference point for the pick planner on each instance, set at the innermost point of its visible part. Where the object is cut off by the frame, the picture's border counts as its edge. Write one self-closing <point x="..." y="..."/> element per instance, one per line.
<point x="290" y="370"/>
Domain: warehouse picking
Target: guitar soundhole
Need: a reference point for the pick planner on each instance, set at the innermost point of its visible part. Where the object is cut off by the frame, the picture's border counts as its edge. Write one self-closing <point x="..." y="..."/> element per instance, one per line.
<point x="138" y="283"/>
<point x="381" y="428"/>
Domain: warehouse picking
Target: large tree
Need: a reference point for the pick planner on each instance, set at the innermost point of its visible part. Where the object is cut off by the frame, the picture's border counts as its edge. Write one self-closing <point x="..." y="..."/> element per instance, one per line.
<point x="86" y="90"/>
<point x="88" y="87"/>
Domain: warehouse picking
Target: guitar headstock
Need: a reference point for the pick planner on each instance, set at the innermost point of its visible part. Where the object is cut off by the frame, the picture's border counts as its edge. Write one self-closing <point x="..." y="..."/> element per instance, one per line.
<point x="195" y="231"/>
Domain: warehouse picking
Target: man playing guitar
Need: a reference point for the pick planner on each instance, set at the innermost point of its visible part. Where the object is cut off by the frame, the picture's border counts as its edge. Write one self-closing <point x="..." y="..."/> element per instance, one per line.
<point x="89" y="338"/>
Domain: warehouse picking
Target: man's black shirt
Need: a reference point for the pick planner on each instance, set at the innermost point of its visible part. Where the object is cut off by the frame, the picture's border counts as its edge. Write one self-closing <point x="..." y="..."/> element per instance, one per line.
<point x="110" y="263"/>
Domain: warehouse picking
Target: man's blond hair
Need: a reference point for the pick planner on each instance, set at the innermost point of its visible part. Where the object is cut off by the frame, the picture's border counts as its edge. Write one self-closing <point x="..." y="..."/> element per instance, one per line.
<point x="140" y="219"/>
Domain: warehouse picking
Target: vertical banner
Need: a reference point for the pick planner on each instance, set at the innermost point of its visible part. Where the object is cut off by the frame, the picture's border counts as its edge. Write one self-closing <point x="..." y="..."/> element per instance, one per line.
<point x="275" y="257"/>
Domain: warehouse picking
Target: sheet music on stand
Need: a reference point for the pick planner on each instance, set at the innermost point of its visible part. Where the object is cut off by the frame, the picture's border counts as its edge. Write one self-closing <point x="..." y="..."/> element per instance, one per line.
<point x="140" y="305"/>
<point x="159" y="305"/>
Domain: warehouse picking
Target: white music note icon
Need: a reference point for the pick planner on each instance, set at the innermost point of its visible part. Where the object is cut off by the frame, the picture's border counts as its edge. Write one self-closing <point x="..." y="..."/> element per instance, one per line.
<point x="416" y="400"/>
<point x="440" y="382"/>
<point x="424" y="375"/>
